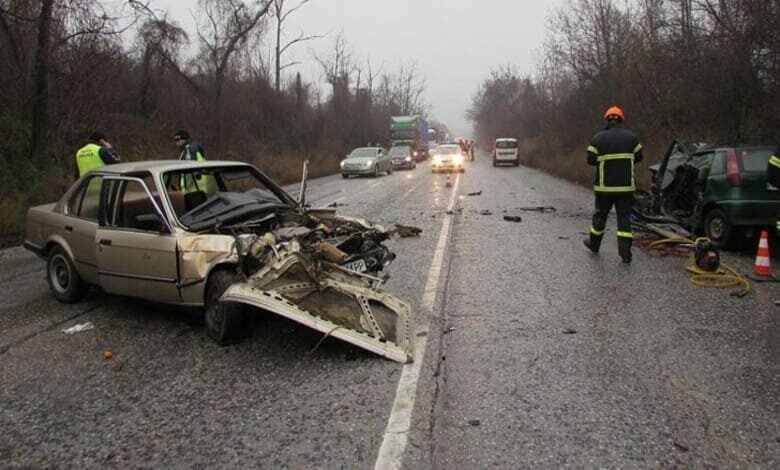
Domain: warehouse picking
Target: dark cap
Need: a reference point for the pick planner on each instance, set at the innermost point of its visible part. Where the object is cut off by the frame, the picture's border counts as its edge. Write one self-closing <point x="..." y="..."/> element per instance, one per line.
<point x="183" y="135"/>
<point x="97" y="136"/>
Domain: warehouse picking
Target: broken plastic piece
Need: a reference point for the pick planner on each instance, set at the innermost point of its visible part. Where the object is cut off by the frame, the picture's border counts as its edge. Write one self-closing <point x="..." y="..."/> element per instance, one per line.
<point x="513" y="218"/>
<point x="78" y="328"/>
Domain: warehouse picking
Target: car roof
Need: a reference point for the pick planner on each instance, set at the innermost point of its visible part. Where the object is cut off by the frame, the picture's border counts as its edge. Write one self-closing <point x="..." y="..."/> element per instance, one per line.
<point x="361" y="148"/>
<point x="160" y="166"/>
<point x="709" y="148"/>
<point x="507" y="138"/>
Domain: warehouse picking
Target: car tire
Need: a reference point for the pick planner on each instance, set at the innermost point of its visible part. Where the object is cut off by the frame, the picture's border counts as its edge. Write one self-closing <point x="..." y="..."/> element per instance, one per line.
<point x="718" y="228"/>
<point x="495" y="163"/>
<point x="63" y="279"/>
<point x="390" y="171"/>
<point x="344" y="175"/>
<point x="376" y="171"/>
<point x="226" y="322"/>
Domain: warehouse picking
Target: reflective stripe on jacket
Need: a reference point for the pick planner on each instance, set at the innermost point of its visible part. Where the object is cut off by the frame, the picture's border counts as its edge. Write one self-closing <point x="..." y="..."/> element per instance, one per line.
<point x="88" y="158"/>
<point x="614" y="152"/>
<point x="773" y="169"/>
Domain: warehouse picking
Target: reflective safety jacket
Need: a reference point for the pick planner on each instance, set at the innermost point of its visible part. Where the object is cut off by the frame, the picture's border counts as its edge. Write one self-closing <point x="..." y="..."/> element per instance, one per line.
<point x="773" y="169"/>
<point x="192" y="151"/>
<point x="88" y="158"/>
<point x="614" y="151"/>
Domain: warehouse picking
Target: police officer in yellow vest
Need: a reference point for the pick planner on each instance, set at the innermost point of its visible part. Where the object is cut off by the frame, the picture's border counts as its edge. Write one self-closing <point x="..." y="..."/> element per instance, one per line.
<point x="95" y="154"/>
<point x="189" y="149"/>
<point x="614" y="152"/>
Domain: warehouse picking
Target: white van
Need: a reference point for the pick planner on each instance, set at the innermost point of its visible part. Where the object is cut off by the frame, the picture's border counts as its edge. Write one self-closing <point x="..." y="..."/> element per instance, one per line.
<point x="505" y="151"/>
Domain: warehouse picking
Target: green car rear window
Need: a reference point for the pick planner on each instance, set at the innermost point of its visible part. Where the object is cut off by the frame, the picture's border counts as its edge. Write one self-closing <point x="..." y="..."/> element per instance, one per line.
<point x="755" y="159"/>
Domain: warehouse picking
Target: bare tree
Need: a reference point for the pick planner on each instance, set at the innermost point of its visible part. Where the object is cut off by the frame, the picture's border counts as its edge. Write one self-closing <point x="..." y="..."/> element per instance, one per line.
<point x="228" y="24"/>
<point x="280" y="15"/>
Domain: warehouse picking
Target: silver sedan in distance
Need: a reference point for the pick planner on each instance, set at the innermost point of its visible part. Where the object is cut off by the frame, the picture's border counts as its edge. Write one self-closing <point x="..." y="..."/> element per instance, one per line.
<point x="367" y="161"/>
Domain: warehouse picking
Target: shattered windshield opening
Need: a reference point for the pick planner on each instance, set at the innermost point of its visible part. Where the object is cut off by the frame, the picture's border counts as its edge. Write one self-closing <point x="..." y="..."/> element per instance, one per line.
<point x="201" y="198"/>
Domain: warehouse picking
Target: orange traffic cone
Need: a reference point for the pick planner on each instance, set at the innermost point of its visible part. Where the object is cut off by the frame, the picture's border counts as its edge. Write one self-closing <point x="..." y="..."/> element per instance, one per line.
<point x="762" y="270"/>
<point x="448" y="182"/>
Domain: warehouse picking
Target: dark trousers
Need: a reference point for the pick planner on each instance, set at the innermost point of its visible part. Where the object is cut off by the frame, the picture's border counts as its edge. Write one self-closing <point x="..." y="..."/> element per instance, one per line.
<point x="604" y="203"/>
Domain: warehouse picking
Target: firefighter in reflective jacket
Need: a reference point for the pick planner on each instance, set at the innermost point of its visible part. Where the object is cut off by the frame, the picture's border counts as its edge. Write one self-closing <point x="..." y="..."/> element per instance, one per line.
<point x="773" y="177"/>
<point x="614" y="152"/>
<point x="95" y="154"/>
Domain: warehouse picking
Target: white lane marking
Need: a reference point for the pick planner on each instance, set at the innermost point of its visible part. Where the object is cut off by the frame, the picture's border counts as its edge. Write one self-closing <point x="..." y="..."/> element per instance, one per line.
<point x="396" y="435"/>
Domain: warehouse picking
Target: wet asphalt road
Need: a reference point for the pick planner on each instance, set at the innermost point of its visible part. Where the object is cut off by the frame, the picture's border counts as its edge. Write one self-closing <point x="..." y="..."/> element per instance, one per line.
<point x="538" y="355"/>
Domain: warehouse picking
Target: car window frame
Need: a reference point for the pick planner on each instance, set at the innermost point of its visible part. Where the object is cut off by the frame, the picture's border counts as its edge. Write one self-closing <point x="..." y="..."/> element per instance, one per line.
<point x="104" y="204"/>
<point x="80" y="192"/>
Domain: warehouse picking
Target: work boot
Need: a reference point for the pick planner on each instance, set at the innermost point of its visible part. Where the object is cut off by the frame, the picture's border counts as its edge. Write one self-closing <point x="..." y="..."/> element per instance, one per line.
<point x="590" y="245"/>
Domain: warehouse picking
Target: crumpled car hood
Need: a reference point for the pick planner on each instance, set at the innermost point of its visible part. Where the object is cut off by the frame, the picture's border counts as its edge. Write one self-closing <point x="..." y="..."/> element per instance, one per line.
<point x="302" y="276"/>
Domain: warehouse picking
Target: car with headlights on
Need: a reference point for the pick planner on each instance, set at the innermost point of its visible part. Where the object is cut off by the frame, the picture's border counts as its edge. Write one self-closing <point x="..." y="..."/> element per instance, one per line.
<point x="366" y="161"/>
<point x="448" y="158"/>
<point x="402" y="156"/>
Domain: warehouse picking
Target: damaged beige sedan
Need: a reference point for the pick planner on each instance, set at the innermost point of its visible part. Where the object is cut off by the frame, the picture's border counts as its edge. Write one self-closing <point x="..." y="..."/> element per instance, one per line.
<point x="221" y="236"/>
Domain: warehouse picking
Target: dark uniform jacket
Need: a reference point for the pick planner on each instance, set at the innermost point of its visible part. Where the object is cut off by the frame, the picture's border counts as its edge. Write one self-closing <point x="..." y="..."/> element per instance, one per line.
<point x="773" y="169"/>
<point x="192" y="150"/>
<point x="614" y="151"/>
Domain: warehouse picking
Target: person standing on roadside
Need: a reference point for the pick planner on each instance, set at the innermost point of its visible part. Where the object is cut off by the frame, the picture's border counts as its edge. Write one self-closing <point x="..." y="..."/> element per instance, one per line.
<point x="189" y="149"/>
<point x="614" y="152"/>
<point x="96" y="153"/>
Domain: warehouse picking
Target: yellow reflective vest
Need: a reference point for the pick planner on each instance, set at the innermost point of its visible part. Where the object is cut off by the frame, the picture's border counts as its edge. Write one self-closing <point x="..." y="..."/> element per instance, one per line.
<point x="88" y="158"/>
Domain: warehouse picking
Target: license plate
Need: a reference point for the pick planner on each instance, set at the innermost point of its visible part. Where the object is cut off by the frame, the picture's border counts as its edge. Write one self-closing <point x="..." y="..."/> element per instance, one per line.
<point x="357" y="266"/>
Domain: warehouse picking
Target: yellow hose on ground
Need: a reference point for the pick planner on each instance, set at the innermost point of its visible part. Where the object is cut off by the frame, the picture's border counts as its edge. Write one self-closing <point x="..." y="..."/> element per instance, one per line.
<point x="720" y="279"/>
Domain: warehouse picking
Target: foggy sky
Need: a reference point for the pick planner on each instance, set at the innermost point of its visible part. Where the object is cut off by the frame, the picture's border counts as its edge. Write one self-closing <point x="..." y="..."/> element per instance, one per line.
<point x="454" y="42"/>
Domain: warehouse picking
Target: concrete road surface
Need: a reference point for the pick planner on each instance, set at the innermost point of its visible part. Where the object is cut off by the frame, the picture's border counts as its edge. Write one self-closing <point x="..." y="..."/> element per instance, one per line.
<point x="531" y="353"/>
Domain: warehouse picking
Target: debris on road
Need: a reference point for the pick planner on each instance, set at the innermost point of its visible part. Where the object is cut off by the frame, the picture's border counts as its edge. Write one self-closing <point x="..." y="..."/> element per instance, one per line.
<point x="485" y="212"/>
<point x="108" y="354"/>
<point x="513" y="218"/>
<point x="79" y="328"/>
<point x="570" y="331"/>
<point x="405" y="231"/>
<point x="474" y="422"/>
<point x="541" y="209"/>
<point x="336" y="204"/>
<point x="475" y="193"/>
<point x="563" y="238"/>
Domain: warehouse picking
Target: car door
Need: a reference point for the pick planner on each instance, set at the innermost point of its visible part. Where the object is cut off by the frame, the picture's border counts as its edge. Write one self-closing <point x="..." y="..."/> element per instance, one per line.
<point x="136" y="246"/>
<point x="80" y="225"/>
<point x="760" y="203"/>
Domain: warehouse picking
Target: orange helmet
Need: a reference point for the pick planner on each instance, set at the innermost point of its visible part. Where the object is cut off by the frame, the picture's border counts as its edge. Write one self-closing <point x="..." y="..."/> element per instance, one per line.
<point x="614" y="111"/>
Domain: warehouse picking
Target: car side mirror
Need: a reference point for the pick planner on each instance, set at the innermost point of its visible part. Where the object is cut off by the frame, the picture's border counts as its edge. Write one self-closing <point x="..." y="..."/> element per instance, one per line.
<point x="150" y="222"/>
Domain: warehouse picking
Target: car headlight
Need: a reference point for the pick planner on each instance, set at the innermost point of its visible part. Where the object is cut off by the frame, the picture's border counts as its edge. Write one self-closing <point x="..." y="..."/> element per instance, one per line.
<point x="341" y="164"/>
<point x="437" y="160"/>
<point x="408" y="159"/>
<point x="458" y="159"/>
<point x="415" y="153"/>
<point x="368" y="163"/>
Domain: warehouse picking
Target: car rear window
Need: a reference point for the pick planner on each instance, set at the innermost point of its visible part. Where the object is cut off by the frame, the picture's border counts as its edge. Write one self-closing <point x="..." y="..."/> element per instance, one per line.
<point x="755" y="159"/>
<point x="506" y="144"/>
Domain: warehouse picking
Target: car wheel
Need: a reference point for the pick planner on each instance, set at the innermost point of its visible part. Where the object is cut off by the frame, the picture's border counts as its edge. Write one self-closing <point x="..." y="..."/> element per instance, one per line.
<point x="390" y="170"/>
<point x="344" y="175"/>
<point x="495" y="163"/>
<point x="64" y="281"/>
<point x="376" y="171"/>
<point x="718" y="228"/>
<point x="226" y="322"/>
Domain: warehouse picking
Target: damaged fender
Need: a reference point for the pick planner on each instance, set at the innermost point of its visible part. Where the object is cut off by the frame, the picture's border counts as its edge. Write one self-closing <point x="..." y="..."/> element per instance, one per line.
<point x="330" y="299"/>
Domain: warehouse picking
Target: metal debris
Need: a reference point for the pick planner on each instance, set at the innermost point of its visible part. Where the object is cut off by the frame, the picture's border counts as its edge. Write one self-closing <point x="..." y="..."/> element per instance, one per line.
<point x="542" y="209"/>
<point x="485" y="212"/>
<point x="475" y="193"/>
<point x="513" y="218"/>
